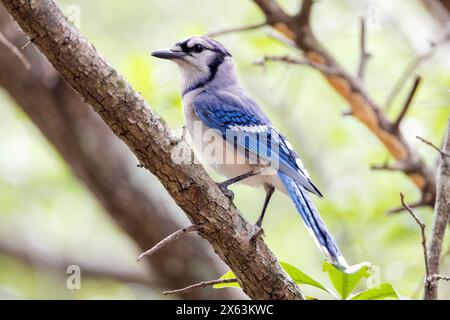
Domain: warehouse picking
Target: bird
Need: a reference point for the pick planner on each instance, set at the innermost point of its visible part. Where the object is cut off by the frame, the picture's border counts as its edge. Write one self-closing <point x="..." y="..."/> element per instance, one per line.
<point x="247" y="148"/>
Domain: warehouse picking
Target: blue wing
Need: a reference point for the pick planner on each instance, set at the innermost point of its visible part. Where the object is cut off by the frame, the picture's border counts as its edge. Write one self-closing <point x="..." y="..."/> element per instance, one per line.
<point x="240" y="121"/>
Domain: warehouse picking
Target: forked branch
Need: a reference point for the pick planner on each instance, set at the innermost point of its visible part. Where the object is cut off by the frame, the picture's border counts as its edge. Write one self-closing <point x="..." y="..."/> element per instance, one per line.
<point x="297" y="28"/>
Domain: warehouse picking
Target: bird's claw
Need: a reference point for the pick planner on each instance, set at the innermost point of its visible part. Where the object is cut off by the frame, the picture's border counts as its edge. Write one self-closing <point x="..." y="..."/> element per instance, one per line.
<point x="226" y="191"/>
<point x="174" y="140"/>
<point x="258" y="233"/>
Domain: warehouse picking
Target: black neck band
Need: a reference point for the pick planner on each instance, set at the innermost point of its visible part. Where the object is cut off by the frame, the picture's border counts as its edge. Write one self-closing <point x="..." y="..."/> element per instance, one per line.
<point x="213" y="67"/>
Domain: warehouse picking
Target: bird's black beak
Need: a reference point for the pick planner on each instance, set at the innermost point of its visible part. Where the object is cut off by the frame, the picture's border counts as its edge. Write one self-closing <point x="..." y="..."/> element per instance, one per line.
<point x="168" y="54"/>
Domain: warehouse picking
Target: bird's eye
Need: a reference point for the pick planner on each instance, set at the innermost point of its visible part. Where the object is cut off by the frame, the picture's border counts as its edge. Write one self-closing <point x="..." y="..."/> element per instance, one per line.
<point x="198" y="48"/>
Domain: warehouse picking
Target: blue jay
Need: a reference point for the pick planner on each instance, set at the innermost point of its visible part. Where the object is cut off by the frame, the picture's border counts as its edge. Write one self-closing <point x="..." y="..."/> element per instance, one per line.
<point x="250" y="150"/>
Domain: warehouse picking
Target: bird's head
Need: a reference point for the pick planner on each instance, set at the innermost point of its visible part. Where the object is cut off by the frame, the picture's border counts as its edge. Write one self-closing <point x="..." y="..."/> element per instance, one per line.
<point x="199" y="59"/>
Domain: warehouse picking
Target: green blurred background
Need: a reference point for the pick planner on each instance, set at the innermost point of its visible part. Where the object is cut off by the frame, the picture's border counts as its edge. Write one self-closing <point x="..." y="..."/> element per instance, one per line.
<point x="42" y="203"/>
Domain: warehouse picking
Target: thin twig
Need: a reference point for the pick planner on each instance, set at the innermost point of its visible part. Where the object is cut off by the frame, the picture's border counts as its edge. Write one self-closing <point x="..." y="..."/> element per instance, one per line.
<point x="422" y="230"/>
<point x="407" y="104"/>
<point x="279" y="37"/>
<point x="236" y="29"/>
<point x="15" y="51"/>
<point x="364" y="55"/>
<point x="347" y="113"/>
<point x="442" y="153"/>
<point x="397" y="166"/>
<point x="419" y="204"/>
<point x="411" y="68"/>
<point x="437" y="277"/>
<point x="296" y="61"/>
<point x="304" y="14"/>
<point x="174" y="236"/>
<point x="200" y="285"/>
<point x="25" y="45"/>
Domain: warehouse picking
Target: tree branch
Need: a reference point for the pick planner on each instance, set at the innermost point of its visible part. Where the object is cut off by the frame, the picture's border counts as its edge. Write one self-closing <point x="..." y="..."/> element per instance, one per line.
<point x="201" y="285"/>
<point x="295" y="61"/>
<point x="411" y="68"/>
<point x="437" y="277"/>
<point x="419" y="204"/>
<point x="171" y="238"/>
<point x="77" y="133"/>
<point x="441" y="217"/>
<point x="273" y="11"/>
<point x="237" y="29"/>
<point x="407" y="103"/>
<point x="130" y="117"/>
<point x="397" y="166"/>
<point x="363" y="55"/>
<point x="363" y="107"/>
<point x="442" y="153"/>
<point x="422" y="231"/>
<point x="304" y="14"/>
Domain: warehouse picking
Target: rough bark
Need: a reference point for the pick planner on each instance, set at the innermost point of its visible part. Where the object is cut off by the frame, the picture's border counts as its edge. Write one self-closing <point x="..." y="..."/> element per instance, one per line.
<point x="130" y="117"/>
<point x="101" y="161"/>
<point x="297" y="28"/>
<point x="441" y="217"/>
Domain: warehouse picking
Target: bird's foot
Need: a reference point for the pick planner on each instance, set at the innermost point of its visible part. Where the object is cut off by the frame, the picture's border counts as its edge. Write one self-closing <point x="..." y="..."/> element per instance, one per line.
<point x="258" y="233"/>
<point x="174" y="140"/>
<point x="183" y="133"/>
<point x="224" y="188"/>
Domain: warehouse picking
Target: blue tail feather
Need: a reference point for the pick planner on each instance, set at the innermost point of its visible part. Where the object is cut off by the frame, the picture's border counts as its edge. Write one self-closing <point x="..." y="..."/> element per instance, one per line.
<point x="312" y="220"/>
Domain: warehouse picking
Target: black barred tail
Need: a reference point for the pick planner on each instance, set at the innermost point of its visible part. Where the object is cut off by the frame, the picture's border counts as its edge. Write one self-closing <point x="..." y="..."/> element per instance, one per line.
<point x="313" y="221"/>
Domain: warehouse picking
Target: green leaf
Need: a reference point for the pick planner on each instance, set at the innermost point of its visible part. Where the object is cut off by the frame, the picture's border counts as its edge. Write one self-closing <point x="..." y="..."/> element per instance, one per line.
<point x="228" y="275"/>
<point x="298" y="276"/>
<point x="381" y="292"/>
<point x="344" y="281"/>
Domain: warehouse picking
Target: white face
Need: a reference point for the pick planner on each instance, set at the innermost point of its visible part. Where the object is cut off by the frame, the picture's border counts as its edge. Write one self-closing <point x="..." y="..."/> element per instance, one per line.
<point x="198" y="58"/>
<point x="195" y="64"/>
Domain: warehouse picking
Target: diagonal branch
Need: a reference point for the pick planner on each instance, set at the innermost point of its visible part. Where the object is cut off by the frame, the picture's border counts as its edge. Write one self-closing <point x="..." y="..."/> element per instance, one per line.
<point x="363" y="107"/>
<point x="442" y="153"/>
<point x="68" y="123"/>
<point x="150" y="139"/>
<point x="201" y="285"/>
<point x="407" y="103"/>
<point x="411" y="68"/>
<point x="163" y="243"/>
<point x="237" y="29"/>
